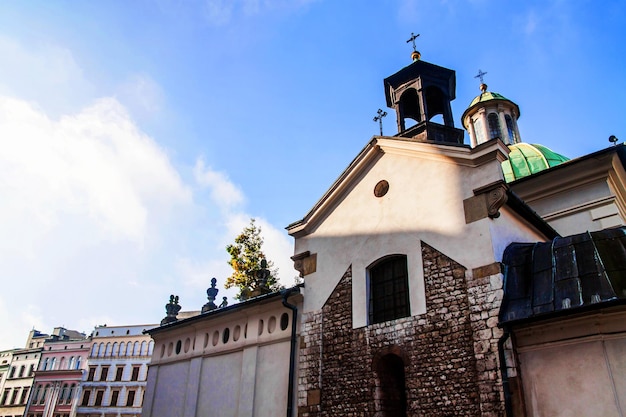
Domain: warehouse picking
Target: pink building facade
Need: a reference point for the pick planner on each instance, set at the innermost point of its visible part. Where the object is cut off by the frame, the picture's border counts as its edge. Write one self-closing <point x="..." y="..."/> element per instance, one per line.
<point x="56" y="387"/>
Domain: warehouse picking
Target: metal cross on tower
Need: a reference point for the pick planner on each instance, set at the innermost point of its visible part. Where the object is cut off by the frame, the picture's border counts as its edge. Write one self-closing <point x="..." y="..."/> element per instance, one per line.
<point x="379" y="119"/>
<point x="480" y="76"/>
<point x="412" y="39"/>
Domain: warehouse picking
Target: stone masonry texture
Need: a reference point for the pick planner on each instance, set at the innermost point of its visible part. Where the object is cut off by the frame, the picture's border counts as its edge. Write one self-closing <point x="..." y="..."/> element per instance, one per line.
<point x="439" y="349"/>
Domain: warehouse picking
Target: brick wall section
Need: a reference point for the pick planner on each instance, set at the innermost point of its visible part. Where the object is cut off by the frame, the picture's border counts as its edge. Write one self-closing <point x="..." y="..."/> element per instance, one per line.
<point x="485" y="295"/>
<point x="336" y="362"/>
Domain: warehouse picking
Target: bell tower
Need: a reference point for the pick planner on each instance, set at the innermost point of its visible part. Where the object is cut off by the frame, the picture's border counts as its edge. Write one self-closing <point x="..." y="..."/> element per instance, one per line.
<point x="420" y="92"/>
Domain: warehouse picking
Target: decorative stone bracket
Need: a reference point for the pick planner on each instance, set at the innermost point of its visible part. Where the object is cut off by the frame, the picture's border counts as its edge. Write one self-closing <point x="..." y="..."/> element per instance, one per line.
<point x="305" y="263"/>
<point x="486" y="202"/>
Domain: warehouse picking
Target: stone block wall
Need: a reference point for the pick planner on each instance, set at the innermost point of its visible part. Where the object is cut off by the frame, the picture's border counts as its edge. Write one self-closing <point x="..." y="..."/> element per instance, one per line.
<point x="441" y="349"/>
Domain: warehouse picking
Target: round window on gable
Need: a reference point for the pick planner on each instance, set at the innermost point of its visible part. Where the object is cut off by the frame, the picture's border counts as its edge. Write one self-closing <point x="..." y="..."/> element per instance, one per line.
<point x="381" y="188"/>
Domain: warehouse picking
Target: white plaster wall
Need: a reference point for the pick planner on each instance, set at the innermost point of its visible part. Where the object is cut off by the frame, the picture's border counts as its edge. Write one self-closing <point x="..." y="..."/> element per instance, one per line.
<point x="574" y="379"/>
<point x="270" y="396"/>
<point x="219" y="383"/>
<point x="246" y="376"/>
<point x="510" y="228"/>
<point x="169" y="393"/>
<point x="424" y="203"/>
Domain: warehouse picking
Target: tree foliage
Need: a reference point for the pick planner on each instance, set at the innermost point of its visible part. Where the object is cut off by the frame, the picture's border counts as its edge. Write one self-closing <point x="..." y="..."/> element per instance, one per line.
<point x="246" y="256"/>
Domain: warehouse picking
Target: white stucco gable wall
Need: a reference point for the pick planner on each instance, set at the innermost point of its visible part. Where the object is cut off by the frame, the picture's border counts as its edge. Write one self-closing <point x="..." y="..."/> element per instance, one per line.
<point x="427" y="186"/>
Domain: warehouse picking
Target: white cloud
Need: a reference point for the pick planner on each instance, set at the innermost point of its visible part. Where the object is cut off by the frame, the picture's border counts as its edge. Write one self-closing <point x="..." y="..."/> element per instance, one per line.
<point x="142" y="94"/>
<point x="45" y="73"/>
<point x="83" y="196"/>
<point x="223" y="192"/>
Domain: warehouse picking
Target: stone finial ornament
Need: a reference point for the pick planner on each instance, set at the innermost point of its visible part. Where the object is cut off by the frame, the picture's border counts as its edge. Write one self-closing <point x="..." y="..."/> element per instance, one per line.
<point x="211" y="294"/>
<point x="172" y="308"/>
<point x="263" y="275"/>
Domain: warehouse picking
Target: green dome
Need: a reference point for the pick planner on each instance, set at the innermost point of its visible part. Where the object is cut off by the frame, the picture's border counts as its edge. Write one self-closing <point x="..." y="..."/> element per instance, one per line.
<point x="526" y="159"/>
<point x="486" y="96"/>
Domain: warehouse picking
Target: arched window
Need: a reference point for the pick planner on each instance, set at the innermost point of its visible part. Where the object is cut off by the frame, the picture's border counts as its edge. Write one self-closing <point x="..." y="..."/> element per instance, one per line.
<point x="129" y="348"/>
<point x="150" y="347"/>
<point x="70" y="364"/>
<point x="94" y="350"/>
<point x="22" y="370"/>
<point x="44" y="394"/>
<point x="511" y="129"/>
<point x="389" y="289"/>
<point x="53" y="363"/>
<point x="31" y="372"/>
<point x="101" y="349"/>
<point x="78" y="362"/>
<point x="108" y="350"/>
<point x="144" y="348"/>
<point x="390" y="386"/>
<point x="12" y="373"/>
<point x="36" y="394"/>
<point x="478" y="131"/>
<point x="122" y="349"/>
<point x="70" y="394"/>
<point x="63" y="394"/>
<point x="494" y="126"/>
<point x="62" y="362"/>
<point x="136" y="349"/>
<point x="115" y="349"/>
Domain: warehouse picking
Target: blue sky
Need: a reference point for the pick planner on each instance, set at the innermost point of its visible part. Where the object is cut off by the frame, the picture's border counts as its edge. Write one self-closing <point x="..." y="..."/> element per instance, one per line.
<point x="140" y="137"/>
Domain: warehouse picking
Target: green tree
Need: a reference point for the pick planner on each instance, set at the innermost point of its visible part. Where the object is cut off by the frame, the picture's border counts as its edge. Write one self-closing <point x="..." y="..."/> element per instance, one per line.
<point x="250" y="274"/>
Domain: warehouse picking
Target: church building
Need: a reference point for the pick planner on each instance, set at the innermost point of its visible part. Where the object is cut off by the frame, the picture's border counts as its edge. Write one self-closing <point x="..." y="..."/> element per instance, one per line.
<point x="436" y="283"/>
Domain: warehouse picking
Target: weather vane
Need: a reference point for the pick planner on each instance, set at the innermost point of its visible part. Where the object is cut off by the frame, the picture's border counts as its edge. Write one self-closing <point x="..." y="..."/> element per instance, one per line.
<point x="379" y="119"/>
<point x="480" y="75"/>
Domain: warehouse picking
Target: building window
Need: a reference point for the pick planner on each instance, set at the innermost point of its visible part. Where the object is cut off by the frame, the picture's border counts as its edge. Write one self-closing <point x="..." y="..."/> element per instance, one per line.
<point x="24" y="397"/>
<point x="494" y="126"/>
<point x="115" y="394"/>
<point x="511" y="129"/>
<point x="104" y="373"/>
<point x="99" y="395"/>
<point x="70" y="394"/>
<point x="78" y="362"/>
<point x="86" y="395"/>
<point x="14" y="396"/>
<point x="36" y="394"/>
<point x="22" y="370"/>
<point x="5" y="395"/>
<point x="478" y="131"/>
<point x="135" y="375"/>
<point x="32" y="370"/>
<point x="130" y="400"/>
<point x="92" y="373"/>
<point x="12" y="373"/>
<point x="44" y="394"/>
<point x="63" y="394"/>
<point x="122" y="349"/>
<point x="119" y="371"/>
<point x="389" y="289"/>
